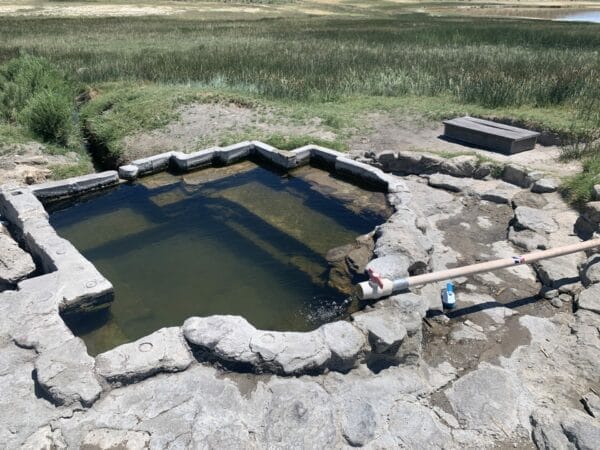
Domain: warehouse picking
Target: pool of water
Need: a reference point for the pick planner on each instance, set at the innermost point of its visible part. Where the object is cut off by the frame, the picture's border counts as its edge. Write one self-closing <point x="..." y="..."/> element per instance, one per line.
<point x="236" y="240"/>
<point x="582" y="16"/>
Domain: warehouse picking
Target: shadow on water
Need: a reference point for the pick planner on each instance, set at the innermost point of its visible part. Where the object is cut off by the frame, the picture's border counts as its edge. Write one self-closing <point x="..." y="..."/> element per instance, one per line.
<point x="246" y="241"/>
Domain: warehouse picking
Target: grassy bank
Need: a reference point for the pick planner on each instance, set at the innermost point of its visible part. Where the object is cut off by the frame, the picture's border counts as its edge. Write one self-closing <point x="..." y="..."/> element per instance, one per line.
<point x="542" y="73"/>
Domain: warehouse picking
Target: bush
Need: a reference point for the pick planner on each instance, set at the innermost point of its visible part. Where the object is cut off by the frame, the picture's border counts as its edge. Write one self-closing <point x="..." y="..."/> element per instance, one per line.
<point x="36" y="95"/>
<point x="22" y="78"/>
<point x="579" y="188"/>
<point x="49" y="116"/>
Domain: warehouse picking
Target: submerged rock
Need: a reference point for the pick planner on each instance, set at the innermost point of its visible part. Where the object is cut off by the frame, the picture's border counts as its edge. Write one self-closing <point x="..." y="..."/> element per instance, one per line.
<point x="349" y="261"/>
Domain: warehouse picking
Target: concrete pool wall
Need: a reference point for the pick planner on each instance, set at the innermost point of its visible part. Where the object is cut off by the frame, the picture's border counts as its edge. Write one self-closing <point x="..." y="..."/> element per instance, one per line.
<point x="71" y="283"/>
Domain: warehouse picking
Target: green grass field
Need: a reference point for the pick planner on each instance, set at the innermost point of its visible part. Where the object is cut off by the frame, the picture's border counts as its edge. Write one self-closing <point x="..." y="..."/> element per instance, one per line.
<point x="543" y="73"/>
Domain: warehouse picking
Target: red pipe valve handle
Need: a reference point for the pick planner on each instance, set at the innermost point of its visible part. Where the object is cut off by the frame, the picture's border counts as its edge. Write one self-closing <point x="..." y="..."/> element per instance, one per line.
<point x="375" y="278"/>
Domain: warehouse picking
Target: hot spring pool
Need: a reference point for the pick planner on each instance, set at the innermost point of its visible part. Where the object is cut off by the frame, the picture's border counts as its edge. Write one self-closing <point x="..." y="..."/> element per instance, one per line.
<point x="240" y="240"/>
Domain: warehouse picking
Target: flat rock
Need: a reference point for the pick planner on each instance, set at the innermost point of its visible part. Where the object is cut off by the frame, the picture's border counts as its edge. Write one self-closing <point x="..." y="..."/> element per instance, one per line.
<point x="344" y="340"/>
<point x="516" y="175"/>
<point x="406" y="303"/>
<point x="401" y="235"/>
<point x="547" y="433"/>
<point x="385" y="330"/>
<point x="583" y="432"/>
<point x="227" y="336"/>
<point x="390" y="266"/>
<point x="528" y="198"/>
<point x="449" y="183"/>
<point x="410" y="162"/>
<point x="290" y="352"/>
<point x="208" y="331"/>
<point x="591" y="402"/>
<point x="162" y="351"/>
<point x="15" y="264"/>
<point x="300" y="416"/>
<point x="412" y="425"/>
<point x="359" y="422"/>
<point x="501" y="193"/>
<point x="590" y="271"/>
<point x="110" y="439"/>
<point x="545" y="185"/>
<point x="304" y="352"/>
<point x="557" y="272"/>
<point x="465" y="333"/>
<point x="66" y="374"/>
<point x="589" y="299"/>
<point x="535" y="219"/>
<point x="527" y="239"/>
<point x="45" y="439"/>
<point x="487" y="399"/>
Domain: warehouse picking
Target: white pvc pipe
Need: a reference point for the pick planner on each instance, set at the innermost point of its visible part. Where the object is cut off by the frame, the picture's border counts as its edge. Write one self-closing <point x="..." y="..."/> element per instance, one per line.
<point x="372" y="290"/>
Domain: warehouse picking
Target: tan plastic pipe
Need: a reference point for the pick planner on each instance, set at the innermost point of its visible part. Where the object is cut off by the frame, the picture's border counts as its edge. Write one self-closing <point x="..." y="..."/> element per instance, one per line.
<point x="378" y="287"/>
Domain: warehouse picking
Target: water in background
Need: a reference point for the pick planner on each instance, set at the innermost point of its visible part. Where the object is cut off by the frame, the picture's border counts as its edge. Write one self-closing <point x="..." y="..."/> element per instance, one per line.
<point x="582" y="16"/>
<point x="236" y="240"/>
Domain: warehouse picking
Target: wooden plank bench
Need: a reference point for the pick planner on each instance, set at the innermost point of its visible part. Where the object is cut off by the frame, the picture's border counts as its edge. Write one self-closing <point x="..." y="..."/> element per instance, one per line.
<point x="490" y="135"/>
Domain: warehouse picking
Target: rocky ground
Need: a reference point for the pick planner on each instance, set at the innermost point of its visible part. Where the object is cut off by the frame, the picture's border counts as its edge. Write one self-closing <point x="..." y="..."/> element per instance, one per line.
<point x="514" y="365"/>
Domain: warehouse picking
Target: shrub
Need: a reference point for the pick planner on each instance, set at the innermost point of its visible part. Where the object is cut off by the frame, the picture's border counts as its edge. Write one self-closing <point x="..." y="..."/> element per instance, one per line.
<point x="49" y="116"/>
<point x="36" y="95"/>
<point x="22" y="78"/>
<point x="579" y="188"/>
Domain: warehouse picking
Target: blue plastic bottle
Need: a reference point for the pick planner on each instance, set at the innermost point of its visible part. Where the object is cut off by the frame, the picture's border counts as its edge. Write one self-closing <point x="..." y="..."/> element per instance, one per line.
<point x="448" y="297"/>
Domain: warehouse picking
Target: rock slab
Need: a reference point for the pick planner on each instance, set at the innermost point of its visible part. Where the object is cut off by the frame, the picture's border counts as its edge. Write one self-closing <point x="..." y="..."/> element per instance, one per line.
<point x="163" y="351"/>
<point x="66" y="374"/>
<point x="589" y="299"/>
<point x="15" y="264"/>
<point x="535" y="219"/>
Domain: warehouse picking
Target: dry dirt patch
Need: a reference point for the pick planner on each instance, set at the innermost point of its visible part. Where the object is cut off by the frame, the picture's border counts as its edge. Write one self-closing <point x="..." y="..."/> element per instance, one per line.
<point x="204" y="125"/>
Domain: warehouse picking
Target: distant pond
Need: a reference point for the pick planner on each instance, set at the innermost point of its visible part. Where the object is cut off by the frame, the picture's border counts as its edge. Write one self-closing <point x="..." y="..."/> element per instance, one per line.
<point x="587" y="16"/>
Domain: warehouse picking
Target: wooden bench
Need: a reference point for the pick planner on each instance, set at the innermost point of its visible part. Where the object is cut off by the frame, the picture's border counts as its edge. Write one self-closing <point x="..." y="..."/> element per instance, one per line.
<point x="490" y="135"/>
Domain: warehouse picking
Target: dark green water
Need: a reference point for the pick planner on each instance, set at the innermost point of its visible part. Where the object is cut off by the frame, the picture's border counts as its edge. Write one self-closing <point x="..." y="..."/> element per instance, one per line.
<point x="238" y="240"/>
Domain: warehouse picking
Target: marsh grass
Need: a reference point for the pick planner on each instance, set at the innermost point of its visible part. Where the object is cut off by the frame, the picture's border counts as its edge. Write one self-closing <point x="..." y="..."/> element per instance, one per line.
<point x="546" y="74"/>
<point x="488" y="62"/>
